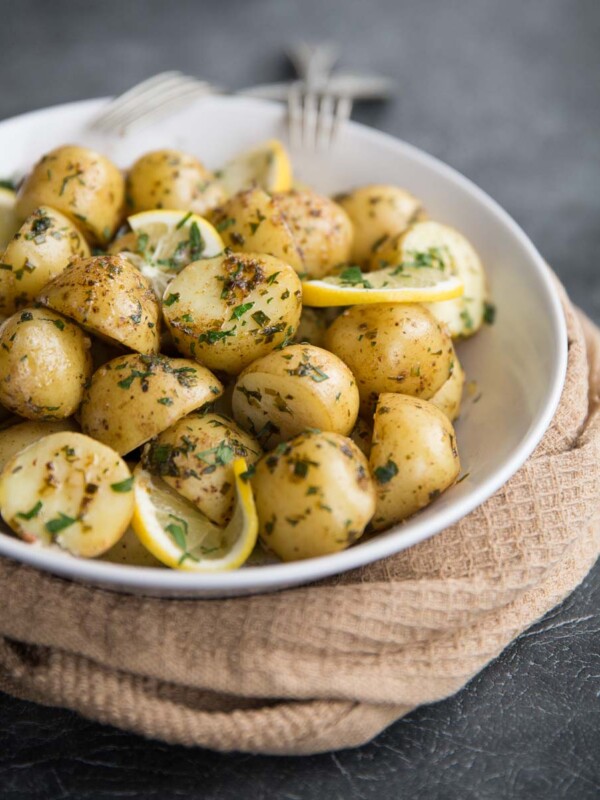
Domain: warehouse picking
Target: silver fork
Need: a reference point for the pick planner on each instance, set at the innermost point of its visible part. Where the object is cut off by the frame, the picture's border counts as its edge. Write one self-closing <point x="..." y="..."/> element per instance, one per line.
<point x="151" y="99"/>
<point x="315" y="113"/>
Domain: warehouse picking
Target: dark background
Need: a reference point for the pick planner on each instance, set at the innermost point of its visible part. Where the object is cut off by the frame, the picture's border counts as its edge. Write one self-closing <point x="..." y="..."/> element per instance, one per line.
<point x="508" y="92"/>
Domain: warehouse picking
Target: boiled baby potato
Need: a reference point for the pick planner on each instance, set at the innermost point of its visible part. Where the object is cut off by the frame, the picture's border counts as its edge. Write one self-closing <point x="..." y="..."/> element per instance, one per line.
<point x="174" y="180"/>
<point x="321" y="229"/>
<point x="376" y="212"/>
<point x="69" y="490"/>
<point x="109" y="297"/>
<point x="39" y="251"/>
<point x="391" y="347"/>
<point x="82" y="184"/>
<point x="448" y="399"/>
<point x="314" y="496"/>
<point x="229" y="310"/>
<point x="252" y="222"/>
<point x="21" y="435"/>
<point x="413" y="457"/>
<point x="195" y="456"/>
<point x="45" y="363"/>
<point x="135" y="397"/>
<point x="433" y="244"/>
<point x="281" y="394"/>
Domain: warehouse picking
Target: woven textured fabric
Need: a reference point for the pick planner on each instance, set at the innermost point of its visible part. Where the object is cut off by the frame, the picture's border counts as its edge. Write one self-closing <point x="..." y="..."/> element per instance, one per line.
<point x="325" y="666"/>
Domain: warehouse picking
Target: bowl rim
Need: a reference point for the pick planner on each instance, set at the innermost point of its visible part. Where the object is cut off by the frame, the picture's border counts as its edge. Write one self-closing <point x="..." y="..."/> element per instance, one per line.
<point x="274" y="576"/>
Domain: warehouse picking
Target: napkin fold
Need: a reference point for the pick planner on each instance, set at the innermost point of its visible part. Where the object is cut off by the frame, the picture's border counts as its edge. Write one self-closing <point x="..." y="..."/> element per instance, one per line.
<point x="330" y="665"/>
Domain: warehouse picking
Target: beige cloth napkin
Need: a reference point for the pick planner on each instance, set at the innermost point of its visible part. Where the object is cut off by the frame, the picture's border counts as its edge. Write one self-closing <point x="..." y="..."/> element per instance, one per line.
<point x="325" y="666"/>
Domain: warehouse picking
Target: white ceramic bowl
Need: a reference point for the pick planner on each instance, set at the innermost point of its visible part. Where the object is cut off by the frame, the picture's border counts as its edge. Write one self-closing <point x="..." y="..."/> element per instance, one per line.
<point x="519" y="363"/>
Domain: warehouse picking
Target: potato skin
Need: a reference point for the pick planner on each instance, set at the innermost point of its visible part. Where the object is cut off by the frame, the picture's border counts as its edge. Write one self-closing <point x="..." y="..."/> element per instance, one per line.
<point x="39" y="251"/>
<point x="253" y="222"/>
<point x="281" y="394"/>
<point x="21" y="435"/>
<point x="229" y="310"/>
<point x="109" y="297"/>
<point x="135" y="397"/>
<point x="449" y="397"/>
<point x="174" y="180"/>
<point x="413" y="457"/>
<point x="321" y="228"/>
<point x="195" y="457"/>
<point x="314" y="496"/>
<point x="391" y="348"/>
<point x="45" y="363"/>
<point x="69" y="490"/>
<point x="377" y="211"/>
<point x="82" y="184"/>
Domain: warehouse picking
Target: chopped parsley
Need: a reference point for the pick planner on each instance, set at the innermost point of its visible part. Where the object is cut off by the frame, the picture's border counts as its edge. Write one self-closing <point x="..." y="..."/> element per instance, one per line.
<point x="33" y="512"/>
<point x="239" y="311"/>
<point x="353" y="276"/>
<point x="59" y="523"/>
<point x="386" y="473"/>
<point x="123" y="486"/>
<point x="489" y="313"/>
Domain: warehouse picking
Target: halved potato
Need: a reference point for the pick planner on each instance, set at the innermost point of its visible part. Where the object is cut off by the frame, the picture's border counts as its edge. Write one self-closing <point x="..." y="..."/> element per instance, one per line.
<point x="39" y="251"/>
<point x="82" y="184"/>
<point x="109" y="297"/>
<point x="45" y="363"/>
<point x="413" y="459"/>
<point x="252" y="222"/>
<point x="377" y="212"/>
<point x="69" y="490"/>
<point x="172" y="179"/>
<point x="135" y="397"/>
<point x="437" y="245"/>
<point x="286" y="392"/>
<point x="229" y="310"/>
<point x="195" y="456"/>
<point x="321" y="229"/>
<point x="22" y="434"/>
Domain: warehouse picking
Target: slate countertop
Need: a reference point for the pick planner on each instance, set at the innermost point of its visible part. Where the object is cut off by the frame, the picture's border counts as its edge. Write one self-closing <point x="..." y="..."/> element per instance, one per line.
<point x="508" y="93"/>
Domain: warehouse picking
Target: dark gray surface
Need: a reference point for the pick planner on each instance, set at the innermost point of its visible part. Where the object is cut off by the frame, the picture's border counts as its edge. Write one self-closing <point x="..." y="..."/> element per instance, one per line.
<point x="509" y="93"/>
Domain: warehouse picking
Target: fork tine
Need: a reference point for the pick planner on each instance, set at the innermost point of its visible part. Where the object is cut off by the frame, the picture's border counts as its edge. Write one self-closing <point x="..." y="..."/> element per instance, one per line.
<point x="131" y="95"/>
<point x="343" y="110"/>
<point x="310" y="108"/>
<point x="139" y="105"/>
<point x="325" y="120"/>
<point x="294" y="100"/>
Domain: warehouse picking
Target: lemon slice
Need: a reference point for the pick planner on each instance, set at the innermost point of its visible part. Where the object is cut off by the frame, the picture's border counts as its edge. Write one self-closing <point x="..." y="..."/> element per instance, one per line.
<point x="167" y="241"/>
<point x="351" y="287"/>
<point x="267" y="166"/>
<point x="180" y="536"/>
<point x="9" y="223"/>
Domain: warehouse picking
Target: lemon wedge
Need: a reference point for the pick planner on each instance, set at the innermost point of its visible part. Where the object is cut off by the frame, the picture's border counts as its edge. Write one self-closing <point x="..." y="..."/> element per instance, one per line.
<point x="403" y="284"/>
<point x="9" y="224"/>
<point x="181" y="537"/>
<point x="167" y="241"/>
<point x="267" y="166"/>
